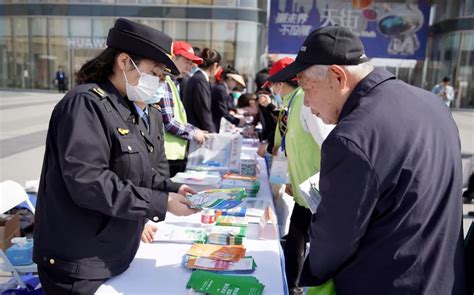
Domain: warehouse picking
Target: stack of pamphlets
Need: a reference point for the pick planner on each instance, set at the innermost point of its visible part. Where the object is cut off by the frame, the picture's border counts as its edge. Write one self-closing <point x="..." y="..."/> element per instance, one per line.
<point x="180" y="234"/>
<point x="251" y="186"/>
<point x="232" y="221"/>
<point x="227" y="235"/>
<point x="244" y="265"/>
<point x="238" y="176"/>
<point x="218" y="284"/>
<point x="217" y="252"/>
<point x="217" y="198"/>
<point x="199" y="180"/>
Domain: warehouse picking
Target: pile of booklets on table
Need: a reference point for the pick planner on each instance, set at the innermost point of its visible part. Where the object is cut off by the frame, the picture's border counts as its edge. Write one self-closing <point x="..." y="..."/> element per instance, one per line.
<point x="218" y="198"/>
<point x="250" y="183"/>
<point x="214" y="284"/>
<point x="229" y="230"/>
<point x="199" y="180"/>
<point x="219" y="258"/>
<point x="180" y="234"/>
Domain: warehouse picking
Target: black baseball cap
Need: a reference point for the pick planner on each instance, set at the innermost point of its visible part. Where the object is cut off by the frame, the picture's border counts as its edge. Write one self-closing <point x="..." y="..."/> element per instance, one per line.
<point x="331" y="45"/>
<point x="144" y="41"/>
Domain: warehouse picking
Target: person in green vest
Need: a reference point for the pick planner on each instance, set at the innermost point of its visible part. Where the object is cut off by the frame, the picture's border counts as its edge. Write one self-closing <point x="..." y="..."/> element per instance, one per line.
<point x="296" y="128"/>
<point x="178" y="132"/>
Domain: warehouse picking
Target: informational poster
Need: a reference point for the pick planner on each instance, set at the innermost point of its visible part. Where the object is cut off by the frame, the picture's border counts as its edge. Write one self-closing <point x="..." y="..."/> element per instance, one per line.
<point x="388" y="29"/>
<point x="220" y="152"/>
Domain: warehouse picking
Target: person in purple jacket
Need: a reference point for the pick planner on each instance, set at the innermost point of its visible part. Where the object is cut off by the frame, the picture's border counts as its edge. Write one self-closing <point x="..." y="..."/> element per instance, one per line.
<point x="389" y="219"/>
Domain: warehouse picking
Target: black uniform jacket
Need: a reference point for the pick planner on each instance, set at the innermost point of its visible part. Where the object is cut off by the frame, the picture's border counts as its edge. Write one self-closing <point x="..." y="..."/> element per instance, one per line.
<point x="220" y="106"/>
<point x="103" y="175"/>
<point x="390" y="217"/>
<point x="197" y="102"/>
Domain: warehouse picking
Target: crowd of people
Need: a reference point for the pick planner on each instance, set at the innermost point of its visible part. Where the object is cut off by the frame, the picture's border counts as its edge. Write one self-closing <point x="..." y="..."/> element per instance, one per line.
<point x="388" y="219"/>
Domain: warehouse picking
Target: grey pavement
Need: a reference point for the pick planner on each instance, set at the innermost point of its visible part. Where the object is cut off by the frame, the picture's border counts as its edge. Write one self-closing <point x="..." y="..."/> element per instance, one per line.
<point x="24" y="118"/>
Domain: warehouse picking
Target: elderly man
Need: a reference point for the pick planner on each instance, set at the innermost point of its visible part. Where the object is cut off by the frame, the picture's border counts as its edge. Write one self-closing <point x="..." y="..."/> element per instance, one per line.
<point x="390" y="216"/>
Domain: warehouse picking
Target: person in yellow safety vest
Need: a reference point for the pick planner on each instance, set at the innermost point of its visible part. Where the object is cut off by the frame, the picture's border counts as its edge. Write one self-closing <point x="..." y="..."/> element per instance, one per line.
<point x="297" y="128"/>
<point x="177" y="129"/>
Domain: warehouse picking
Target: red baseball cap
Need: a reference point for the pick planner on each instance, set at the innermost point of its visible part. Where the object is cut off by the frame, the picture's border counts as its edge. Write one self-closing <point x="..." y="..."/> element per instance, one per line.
<point x="186" y="50"/>
<point x="278" y="66"/>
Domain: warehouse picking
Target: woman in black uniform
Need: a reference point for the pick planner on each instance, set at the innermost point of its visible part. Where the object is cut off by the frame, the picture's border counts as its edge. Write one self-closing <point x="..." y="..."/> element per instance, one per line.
<point x="104" y="170"/>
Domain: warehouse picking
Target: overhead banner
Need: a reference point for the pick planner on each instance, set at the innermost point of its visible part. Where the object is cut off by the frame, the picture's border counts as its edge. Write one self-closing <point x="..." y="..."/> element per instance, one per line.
<point x="388" y="29"/>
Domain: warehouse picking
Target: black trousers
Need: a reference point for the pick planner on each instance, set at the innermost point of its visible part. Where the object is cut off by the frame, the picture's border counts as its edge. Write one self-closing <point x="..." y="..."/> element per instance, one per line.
<point x="55" y="282"/>
<point x="62" y="87"/>
<point x="176" y="166"/>
<point x="295" y="246"/>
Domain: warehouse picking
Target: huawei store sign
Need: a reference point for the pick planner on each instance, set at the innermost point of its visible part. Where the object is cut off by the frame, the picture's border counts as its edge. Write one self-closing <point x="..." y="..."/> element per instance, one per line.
<point x="86" y="43"/>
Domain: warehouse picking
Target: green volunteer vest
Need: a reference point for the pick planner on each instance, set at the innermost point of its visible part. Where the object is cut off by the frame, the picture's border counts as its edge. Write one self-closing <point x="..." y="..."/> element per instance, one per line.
<point x="304" y="154"/>
<point x="175" y="146"/>
<point x="304" y="159"/>
<point x="280" y="124"/>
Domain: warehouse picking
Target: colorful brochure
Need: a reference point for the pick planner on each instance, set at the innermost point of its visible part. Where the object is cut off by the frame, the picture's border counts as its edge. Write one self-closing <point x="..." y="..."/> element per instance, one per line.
<point x="179" y="234"/>
<point x="246" y="264"/>
<point x="226" y="253"/>
<point x="218" y="198"/>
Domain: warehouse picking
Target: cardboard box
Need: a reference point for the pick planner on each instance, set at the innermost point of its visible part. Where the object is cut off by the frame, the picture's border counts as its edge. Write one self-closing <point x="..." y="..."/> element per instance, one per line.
<point x="9" y="228"/>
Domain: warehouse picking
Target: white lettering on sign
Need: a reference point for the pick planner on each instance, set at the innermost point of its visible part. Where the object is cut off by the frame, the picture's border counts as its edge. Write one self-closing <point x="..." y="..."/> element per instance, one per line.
<point x="295" y="30"/>
<point x="86" y="42"/>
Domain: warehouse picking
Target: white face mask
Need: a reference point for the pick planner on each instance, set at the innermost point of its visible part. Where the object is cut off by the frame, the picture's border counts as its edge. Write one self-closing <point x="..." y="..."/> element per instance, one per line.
<point x="147" y="86"/>
<point x="160" y="93"/>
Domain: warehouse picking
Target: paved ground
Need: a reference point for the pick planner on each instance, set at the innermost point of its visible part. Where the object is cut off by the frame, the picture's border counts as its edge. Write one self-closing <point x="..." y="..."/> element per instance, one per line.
<point x="24" y="120"/>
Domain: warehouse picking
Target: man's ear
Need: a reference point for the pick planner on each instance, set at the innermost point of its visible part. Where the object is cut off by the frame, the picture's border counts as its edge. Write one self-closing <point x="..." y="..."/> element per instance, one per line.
<point x="122" y="61"/>
<point x="337" y="73"/>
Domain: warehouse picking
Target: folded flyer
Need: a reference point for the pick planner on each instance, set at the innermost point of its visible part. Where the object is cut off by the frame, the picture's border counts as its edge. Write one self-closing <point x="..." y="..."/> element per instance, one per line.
<point x="310" y="191"/>
<point x="179" y="234"/>
<point x="232" y="221"/>
<point x="246" y="264"/>
<point x="217" y="198"/>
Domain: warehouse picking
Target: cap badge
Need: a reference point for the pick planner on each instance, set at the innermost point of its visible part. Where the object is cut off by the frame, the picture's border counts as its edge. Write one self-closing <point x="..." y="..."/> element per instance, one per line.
<point x="303" y="49"/>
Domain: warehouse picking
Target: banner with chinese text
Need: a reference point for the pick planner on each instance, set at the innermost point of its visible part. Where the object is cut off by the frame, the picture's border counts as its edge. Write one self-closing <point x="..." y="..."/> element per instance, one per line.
<point x="388" y="29"/>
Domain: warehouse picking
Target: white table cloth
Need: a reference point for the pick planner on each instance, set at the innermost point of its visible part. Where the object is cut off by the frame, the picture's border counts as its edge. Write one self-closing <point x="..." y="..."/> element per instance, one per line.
<point x="157" y="267"/>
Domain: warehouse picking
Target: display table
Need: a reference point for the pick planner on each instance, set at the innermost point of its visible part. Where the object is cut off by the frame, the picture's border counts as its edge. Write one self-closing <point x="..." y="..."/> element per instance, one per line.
<point x="157" y="267"/>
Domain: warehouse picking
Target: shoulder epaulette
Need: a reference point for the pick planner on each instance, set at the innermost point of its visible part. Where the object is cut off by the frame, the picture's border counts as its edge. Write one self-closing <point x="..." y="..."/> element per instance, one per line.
<point x="99" y="92"/>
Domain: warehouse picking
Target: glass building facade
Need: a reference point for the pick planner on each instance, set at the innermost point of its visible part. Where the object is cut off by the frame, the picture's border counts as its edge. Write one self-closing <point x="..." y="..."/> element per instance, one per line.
<point x="451" y="49"/>
<point x="38" y="36"/>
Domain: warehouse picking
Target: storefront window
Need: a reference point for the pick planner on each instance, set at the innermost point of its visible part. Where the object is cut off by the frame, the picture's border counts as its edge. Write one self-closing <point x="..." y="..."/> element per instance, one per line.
<point x="223" y="36"/>
<point x="176" y="29"/>
<point x="156" y="24"/>
<point x="40" y="60"/>
<point x="20" y="54"/>
<point x="101" y="27"/>
<point x="80" y="27"/>
<point x="5" y="51"/>
<point x="464" y="79"/>
<point x="246" y="48"/>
